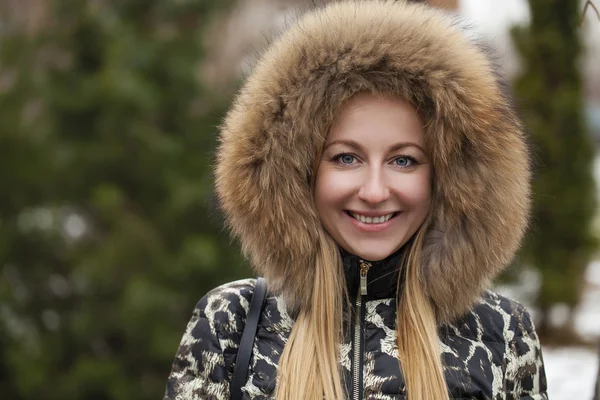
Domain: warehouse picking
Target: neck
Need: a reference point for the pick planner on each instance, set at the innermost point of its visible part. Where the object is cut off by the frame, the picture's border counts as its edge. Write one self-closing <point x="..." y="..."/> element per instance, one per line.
<point x="381" y="278"/>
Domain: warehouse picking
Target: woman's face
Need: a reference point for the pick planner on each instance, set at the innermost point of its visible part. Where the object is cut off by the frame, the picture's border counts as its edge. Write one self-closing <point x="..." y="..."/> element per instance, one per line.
<point x="373" y="184"/>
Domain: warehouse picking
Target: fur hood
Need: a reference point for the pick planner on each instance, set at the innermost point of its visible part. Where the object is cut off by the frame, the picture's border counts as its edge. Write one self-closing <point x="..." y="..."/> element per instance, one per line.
<point x="272" y="135"/>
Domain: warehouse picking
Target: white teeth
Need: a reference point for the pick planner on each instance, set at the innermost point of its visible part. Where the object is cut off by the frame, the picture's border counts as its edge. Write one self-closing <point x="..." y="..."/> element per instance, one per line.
<point x="372" y="220"/>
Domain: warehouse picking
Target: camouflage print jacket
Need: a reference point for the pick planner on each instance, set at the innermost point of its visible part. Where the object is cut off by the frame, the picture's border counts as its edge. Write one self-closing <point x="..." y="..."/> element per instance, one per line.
<point x="492" y="352"/>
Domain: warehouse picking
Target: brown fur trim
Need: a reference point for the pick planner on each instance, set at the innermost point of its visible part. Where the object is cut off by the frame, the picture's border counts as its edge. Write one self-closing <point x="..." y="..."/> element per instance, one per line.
<point x="279" y="121"/>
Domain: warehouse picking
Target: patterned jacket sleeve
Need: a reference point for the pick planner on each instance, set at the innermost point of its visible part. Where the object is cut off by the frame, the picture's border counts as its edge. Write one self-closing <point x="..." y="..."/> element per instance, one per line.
<point x="205" y="359"/>
<point x="525" y="375"/>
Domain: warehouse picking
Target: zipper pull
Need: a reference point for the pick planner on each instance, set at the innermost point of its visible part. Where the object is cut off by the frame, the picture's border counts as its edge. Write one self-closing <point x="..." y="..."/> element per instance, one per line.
<point x="364" y="268"/>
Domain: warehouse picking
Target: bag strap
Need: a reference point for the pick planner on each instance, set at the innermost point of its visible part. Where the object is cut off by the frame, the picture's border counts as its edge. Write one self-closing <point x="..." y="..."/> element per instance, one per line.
<point x="240" y="373"/>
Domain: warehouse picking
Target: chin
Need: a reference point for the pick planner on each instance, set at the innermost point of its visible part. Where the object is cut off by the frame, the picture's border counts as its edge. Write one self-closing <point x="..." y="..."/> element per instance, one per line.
<point x="373" y="254"/>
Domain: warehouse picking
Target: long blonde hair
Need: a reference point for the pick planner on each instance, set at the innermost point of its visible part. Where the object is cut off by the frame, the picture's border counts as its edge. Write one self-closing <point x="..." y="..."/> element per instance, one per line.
<point x="309" y="366"/>
<point x="416" y="329"/>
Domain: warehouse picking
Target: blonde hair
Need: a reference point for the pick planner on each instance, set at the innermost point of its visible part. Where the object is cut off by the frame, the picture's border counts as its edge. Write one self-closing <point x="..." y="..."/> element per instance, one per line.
<point x="416" y="329"/>
<point x="309" y="366"/>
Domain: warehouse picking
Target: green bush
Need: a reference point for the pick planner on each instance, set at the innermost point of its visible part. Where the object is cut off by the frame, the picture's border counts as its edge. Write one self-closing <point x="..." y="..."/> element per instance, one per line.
<point x="109" y="231"/>
<point x="550" y="95"/>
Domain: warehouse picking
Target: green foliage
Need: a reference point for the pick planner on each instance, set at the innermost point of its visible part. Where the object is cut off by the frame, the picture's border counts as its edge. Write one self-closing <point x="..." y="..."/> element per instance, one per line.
<point x="550" y="95"/>
<point x="109" y="231"/>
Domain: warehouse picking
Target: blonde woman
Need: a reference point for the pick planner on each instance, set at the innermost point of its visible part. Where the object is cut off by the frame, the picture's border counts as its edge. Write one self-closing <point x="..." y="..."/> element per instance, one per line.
<point x="376" y="176"/>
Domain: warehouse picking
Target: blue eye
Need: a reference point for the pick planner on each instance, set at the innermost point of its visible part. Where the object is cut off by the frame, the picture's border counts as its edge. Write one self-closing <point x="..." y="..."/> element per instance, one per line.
<point x="404" y="161"/>
<point x="346" y="158"/>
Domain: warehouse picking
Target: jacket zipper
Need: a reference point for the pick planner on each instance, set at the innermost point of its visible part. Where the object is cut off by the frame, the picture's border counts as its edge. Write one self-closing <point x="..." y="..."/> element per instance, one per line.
<point x="360" y="315"/>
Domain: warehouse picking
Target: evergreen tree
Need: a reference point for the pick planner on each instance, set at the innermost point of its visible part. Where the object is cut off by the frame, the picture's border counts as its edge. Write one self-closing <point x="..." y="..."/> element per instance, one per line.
<point x="550" y="96"/>
<point x="109" y="231"/>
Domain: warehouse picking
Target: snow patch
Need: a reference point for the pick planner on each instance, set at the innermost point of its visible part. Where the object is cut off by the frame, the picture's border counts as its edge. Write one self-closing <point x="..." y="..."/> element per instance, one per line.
<point x="571" y="372"/>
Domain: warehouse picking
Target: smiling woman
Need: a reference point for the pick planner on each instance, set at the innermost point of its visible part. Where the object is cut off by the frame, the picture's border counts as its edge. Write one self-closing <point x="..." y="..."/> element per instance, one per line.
<point x="376" y="176"/>
<point x="373" y="183"/>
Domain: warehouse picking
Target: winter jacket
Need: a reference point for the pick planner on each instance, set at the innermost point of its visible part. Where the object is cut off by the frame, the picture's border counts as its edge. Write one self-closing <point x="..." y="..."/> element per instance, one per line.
<point x="491" y="352"/>
<point x="269" y="144"/>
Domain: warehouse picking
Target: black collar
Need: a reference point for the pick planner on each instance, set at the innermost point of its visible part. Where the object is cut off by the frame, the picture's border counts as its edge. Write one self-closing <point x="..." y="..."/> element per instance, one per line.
<point x="382" y="278"/>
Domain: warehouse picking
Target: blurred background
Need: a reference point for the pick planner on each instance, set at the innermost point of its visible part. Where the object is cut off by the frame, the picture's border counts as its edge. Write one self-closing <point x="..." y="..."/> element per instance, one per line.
<point x="109" y="230"/>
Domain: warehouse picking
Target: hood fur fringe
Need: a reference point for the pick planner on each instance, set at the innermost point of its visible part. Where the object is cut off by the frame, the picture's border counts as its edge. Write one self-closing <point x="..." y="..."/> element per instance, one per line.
<point x="272" y="135"/>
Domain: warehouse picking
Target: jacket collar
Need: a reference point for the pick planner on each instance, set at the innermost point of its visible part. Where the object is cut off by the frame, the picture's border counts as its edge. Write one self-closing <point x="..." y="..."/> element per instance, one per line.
<point x="382" y="278"/>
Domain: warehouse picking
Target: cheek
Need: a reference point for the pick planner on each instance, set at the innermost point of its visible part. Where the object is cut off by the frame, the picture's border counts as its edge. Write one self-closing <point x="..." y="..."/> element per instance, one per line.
<point x="416" y="191"/>
<point x="331" y="188"/>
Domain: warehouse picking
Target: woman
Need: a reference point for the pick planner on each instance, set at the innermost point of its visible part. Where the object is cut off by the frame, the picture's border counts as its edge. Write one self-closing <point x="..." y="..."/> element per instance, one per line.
<point x="376" y="176"/>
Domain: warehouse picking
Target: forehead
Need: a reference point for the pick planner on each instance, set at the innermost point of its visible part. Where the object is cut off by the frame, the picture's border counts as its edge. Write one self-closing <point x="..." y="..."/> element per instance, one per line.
<point x="369" y="118"/>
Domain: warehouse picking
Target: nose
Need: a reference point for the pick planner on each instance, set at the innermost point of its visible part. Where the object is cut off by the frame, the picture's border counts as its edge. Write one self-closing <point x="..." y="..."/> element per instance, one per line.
<point x="374" y="189"/>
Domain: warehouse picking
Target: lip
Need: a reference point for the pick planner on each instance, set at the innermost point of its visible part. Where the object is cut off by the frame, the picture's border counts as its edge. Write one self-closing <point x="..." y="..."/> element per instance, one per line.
<point x="370" y="228"/>
<point x="372" y="214"/>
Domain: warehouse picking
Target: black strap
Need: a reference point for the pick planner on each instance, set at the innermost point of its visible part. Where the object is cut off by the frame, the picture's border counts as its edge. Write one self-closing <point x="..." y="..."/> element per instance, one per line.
<point x="240" y="374"/>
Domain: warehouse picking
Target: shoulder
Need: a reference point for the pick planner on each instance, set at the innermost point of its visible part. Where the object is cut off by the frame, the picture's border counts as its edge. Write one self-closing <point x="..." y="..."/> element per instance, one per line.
<point x="494" y="318"/>
<point x="219" y="317"/>
<point x="232" y="297"/>
<point x="497" y="339"/>
<point x="515" y="315"/>
<point x="206" y="355"/>
<point x="221" y="310"/>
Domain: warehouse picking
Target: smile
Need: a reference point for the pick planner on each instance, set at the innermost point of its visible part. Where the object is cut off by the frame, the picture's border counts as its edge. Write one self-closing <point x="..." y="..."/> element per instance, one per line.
<point x="371" y="220"/>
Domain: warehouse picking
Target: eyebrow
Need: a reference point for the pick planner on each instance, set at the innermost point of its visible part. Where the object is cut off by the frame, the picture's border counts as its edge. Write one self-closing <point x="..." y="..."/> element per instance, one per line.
<point x="357" y="146"/>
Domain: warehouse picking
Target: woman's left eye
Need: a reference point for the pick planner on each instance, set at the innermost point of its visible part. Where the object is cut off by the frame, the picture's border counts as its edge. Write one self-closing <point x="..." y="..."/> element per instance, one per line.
<point x="404" y="161"/>
<point x="347" y="158"/>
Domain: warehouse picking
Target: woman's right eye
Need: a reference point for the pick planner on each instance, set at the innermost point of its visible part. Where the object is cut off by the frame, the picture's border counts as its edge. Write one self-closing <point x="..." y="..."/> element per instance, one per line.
<point x="345" y="159"/>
